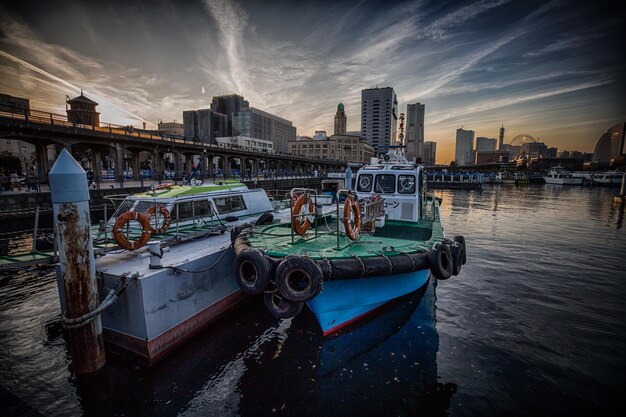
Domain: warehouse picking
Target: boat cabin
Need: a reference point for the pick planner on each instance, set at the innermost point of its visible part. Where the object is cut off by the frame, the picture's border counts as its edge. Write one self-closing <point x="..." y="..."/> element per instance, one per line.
<point x="401" y="185"/>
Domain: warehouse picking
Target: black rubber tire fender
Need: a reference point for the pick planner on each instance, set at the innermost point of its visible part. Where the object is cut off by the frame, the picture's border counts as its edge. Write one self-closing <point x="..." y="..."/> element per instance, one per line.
<point x="458" y="252"/>
<point x="441" y="262"/>
<point x="280" y="307"/>
<point x="461" y="240"/>
<point x="235" y="231"/>
<point x="252" y="271"/>
<point x="299" y="279"/>
<point x="265" y="218"/>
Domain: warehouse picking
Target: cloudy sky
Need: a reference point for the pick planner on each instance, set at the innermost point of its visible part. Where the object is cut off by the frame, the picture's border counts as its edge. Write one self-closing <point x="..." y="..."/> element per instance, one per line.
<point x="554" y="70"/>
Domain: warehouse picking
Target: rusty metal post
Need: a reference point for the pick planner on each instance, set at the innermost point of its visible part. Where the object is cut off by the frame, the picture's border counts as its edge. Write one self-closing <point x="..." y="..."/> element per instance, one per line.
<point x="70" y="198"/>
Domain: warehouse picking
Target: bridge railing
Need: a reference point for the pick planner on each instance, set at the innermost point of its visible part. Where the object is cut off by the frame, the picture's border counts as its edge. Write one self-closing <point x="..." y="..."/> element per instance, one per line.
<point x="54" y="119"/>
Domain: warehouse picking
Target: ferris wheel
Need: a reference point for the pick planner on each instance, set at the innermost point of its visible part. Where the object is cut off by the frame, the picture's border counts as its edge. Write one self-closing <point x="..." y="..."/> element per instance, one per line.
<point x="519" y="140"/>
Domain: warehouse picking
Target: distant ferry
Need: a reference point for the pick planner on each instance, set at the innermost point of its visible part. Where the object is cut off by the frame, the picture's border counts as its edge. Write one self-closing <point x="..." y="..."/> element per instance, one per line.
<point x="609" y="178"/>
<point x="559" y="175"/>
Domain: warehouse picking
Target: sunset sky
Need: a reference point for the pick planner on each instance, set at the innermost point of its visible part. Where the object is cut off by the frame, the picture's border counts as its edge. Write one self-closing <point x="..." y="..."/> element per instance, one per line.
<point x="554" y="70"/>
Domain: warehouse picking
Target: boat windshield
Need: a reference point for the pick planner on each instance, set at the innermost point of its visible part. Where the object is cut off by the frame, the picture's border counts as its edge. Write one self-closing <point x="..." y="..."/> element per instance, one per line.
<point x="385" y="183"/>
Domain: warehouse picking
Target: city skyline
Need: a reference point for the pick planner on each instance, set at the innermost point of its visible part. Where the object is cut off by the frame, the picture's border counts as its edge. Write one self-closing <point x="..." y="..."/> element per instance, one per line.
<point x="552" y="70"/>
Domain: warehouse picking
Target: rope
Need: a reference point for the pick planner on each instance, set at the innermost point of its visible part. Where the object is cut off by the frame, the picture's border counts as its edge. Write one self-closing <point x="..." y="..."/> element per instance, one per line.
<point x="388" y="260"/>
<point x="109" y="300"/>
<point x="330" y="266"/>
<point x="410" y="257"/>
<point x="362" y="264"/>
<point x="178" y="270"/>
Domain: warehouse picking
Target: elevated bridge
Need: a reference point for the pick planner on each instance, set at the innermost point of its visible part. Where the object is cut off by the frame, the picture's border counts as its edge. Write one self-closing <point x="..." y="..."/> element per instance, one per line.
<point x="123" y="145"/>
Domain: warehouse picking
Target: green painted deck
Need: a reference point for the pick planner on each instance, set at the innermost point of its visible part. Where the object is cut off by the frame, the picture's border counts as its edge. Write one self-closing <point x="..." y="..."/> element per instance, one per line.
<point x="394" y="238"/>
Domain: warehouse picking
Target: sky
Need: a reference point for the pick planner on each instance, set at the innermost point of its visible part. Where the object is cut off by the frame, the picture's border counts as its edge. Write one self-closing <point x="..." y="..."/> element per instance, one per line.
<point x="551" y="69"/>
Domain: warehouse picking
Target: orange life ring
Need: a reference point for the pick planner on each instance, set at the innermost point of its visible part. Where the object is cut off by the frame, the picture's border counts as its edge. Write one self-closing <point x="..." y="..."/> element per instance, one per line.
<point x="300" y="227"/>
<point x="353" y="231"/>
<point x="118" y="233"/>
<point x="166" y="219"/>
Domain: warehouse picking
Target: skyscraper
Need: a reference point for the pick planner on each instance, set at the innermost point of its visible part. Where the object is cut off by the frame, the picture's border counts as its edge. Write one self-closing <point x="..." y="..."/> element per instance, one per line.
<point x="415" y="131"/>
<point x="430" y="153"/>
<point x="485" y="144"/>
<point x="379" y="116"/>
<point x="464" y="146"/>
<point x="340" y="120"/>
<point x="501" y="141"/>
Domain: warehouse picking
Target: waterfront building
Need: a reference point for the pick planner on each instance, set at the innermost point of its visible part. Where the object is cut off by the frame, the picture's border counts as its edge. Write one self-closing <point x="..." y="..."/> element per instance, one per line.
<point x="205" y="125"/>
<point x="320" y="135"/>
<point x="231" y="115"/>
<point x="247" y="142"/>
<point x="464" y="150"/>
<point x="82" y="110"/>
<point x="487" y="157"/>
<point x="346" y="148"/>
<point x="172" y="128"/>
<point x="415" y="131"/>
<point x="430" y="153"/>
<point x="340" y="120"/>
<point x="19" y="105"/>
<point x="535" y="149"/>
<point x="379" y="116"/>
<point x="610" y="145"/>
<point x="485" y="144"/>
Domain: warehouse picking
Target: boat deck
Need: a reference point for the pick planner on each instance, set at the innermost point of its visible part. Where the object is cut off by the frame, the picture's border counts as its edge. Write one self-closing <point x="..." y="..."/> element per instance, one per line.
<point x="395" y="237"/>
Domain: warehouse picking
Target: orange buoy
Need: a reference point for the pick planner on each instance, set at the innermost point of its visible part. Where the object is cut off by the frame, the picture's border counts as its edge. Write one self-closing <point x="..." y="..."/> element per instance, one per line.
<point x="166" y="219"/>
<point x="351" y="206"/>
<point x="299" y="225"/>
<point x="118" y="231"/>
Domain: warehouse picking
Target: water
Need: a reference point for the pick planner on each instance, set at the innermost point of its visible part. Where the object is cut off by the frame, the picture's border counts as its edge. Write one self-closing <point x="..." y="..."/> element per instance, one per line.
<point x="534" y="325"/>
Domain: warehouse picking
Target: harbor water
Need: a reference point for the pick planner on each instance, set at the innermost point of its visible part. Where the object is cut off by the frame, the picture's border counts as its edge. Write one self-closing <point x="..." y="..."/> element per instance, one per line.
<point x="534" y="325"/>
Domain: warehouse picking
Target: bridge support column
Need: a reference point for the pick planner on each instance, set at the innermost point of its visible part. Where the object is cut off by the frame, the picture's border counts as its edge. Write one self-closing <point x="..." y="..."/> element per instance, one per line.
<point x="203" y="164"/>
<point x="119" y="163"/>
<point x="177" y="170"/>
<point x="136" y="165"/>
<point x="227" y="162"/>
<point x="156" y="166"/>
<point x="188" y="164"/>
<point x="43" y="164"/>
<point x="97" y="166"/>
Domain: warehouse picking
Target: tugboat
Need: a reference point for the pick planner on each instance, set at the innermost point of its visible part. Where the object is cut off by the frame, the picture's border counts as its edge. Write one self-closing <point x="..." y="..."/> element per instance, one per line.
<point x="559" y="175"/>
<point x="382" y="242"/>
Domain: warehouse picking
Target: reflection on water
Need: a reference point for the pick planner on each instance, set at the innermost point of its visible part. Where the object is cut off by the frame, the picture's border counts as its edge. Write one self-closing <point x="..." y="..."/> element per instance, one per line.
<point x="534" y="325"/>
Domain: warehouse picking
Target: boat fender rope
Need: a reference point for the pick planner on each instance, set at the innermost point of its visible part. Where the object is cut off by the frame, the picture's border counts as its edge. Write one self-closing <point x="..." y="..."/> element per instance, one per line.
<point x="388" y="260"/>
<point x="108" y="301"/>
<point x="411" y="258"/>
<point x="330" y="267"/>
<point x="362" y="265"/>
<point x="177" y="270"/>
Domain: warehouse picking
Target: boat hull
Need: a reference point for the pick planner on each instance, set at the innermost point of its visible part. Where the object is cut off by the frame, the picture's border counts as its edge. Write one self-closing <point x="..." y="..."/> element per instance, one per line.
<point x="564" y="181"/>
<point x="345" y="301"/>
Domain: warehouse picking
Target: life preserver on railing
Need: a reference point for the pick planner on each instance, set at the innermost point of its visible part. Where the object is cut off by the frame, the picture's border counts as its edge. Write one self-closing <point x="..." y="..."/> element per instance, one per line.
<point x="167" y="185"/>
<point x="353" y="228"/>
<point x="118" y="231"/>
<point x="166" y="219"/>
<point x="300" y="221"/>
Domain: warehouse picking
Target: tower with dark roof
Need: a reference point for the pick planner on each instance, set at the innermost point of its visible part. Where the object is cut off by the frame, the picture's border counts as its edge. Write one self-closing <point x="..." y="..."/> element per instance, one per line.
<point x="340" y="120"/>
<point x="82" y="110"/>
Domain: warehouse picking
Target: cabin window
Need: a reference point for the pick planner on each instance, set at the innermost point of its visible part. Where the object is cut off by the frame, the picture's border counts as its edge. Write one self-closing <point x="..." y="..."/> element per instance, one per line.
<point x="406" y="184"/>
<point x="385" y="183"/>
<point x="186" y="210"/>
<point x="364" y="184"/>
<point x="229" y="204"/>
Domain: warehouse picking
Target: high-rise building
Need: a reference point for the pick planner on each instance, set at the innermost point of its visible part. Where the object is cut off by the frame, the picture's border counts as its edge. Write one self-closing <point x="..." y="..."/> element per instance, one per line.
<point x="231" y="116"/>
<point x="464" y="151"/>
<point x="205" y="125"/>
<point x="340" y="120"/>
<point x="485" y="144"/>
<point x="379" y="116"/>
<point x="501" y="138"/>
<point x="415" y="131"/>
<point x="430" y="153"/>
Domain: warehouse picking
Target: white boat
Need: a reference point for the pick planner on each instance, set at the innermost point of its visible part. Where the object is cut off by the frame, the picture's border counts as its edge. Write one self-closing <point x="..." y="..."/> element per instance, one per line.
<point x="610" y="178"/>
<point x="559" y="175"/>
<point x="504" y="178"/>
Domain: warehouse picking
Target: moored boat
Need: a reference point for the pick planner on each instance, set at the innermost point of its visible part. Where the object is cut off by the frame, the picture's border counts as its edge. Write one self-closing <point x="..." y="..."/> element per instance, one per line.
<point x="382" y="243"/>
<point x="559" y="175"/>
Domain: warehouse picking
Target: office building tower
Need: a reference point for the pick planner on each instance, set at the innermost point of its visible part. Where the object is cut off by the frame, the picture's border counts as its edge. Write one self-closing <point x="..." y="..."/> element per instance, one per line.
<point x="205" y="125"/>
<point x="430" y="153"/>
<point x="485" y="144"/>
<point x="340" y="120"/>
<point x="379" y="117"/>
<point x="464" y="151"/>
<point x="415" y="131"/>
